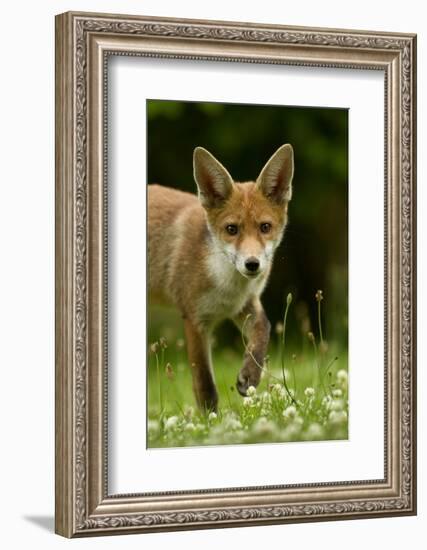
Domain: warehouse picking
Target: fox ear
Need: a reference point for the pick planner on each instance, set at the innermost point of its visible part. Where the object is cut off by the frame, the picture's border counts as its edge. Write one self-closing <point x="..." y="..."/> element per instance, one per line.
<point x="275" y="180"/>
<point x="214" y="183"/>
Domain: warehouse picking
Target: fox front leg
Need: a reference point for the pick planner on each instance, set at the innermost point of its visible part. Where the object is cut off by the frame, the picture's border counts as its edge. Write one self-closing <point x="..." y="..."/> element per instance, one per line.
<point x="253" y="321"/>
<point x="198" y="349"/>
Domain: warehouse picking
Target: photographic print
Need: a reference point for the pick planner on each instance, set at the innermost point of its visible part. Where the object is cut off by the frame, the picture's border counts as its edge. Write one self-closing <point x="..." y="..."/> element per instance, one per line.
<point x="247" y="273"/>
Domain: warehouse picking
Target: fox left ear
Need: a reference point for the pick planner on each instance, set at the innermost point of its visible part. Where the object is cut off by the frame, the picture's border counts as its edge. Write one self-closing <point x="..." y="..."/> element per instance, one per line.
<point x="214" y="183"/>
<point x="275" y="179"/>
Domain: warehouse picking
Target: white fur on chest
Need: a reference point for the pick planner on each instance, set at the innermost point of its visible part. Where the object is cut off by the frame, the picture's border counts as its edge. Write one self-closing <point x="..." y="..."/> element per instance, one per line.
<point x="230" y="291"/>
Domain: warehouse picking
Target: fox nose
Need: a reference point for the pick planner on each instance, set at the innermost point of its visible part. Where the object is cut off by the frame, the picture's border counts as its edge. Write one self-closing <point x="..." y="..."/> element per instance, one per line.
<point x="252" y="264"/>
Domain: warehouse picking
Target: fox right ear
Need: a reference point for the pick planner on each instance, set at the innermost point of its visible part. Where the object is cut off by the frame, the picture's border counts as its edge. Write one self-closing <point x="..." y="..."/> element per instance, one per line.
<point x="275" y="180"/>
<point x="214" y="183"/>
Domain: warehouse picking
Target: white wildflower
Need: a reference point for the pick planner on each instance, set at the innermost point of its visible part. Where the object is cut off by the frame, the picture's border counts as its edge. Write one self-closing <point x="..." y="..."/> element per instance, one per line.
<point x="290" y="412"/>
<point x="264" y="427"/>
<point x="232" y="423"/>
<point x="309" y="392"/>
<point x="337" y="405"/>
<point x="279" y="391"/>
<point x="171" y="423"/>
<point x="153" y="427"/>
<point x="189" y="427"/>
<point x="212" y="416"/>
<point x="337" y="417"/>
<point x="251" y="391"/>
<point x="248" y="402"/>
<point x="292" y="431"/>
<point x="337" y="393"/>
<point x="266" y="398"/>
<point x="326" y="401"/>
<point x="342" y="377"/>
<point x="314" y="431"/>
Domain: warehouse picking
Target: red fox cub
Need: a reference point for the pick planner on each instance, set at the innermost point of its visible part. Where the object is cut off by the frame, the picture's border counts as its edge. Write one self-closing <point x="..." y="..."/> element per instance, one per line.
<point x="211" y="256"/>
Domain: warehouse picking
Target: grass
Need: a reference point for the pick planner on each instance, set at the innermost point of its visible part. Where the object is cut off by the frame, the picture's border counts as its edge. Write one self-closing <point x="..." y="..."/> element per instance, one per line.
<point x="302" y="396"/>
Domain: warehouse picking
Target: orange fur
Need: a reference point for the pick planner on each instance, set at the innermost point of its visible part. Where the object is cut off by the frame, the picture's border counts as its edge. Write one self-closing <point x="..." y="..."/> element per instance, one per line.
<point x="196" y="264"/>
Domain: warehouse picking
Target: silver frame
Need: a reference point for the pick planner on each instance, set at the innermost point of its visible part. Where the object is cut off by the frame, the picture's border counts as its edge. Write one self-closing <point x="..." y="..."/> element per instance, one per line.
<point x="83" y="43"/>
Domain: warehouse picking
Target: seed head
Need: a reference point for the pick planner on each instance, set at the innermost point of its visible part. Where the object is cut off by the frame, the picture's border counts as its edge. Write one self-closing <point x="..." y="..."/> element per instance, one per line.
<point x="310" y="336"/>
<point x="289" y="299"/>
<point x="154" y="347"/>
<point x="319" y="295"/>
<point x="163" y="342"/>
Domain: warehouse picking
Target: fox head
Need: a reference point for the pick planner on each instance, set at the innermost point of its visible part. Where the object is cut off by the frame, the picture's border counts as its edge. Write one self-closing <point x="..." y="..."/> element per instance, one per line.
<point x="246" y="220"/>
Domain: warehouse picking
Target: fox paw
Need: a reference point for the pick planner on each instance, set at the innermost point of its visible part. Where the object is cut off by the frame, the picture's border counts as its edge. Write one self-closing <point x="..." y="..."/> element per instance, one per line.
<point x="245" y="379"/>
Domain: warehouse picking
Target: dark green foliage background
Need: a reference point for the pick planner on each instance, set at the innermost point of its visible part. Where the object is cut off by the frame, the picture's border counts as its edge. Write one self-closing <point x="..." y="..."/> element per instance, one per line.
<point x="314" y="252"/>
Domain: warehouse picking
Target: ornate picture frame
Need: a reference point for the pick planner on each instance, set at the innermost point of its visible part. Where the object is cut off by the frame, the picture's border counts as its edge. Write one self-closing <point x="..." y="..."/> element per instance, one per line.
<point x="84" y="42"/>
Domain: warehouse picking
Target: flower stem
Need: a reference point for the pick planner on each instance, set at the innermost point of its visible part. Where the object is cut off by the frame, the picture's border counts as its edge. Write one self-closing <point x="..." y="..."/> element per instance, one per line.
<point x="319" y="317"/>
<point x="282" y="347"/>
<point x="159" y="383"/>
<point x="317" y="371"/>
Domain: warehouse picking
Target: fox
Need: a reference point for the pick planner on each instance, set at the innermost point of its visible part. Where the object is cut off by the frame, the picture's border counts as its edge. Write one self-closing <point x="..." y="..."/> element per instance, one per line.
<point x="210" y="255"/>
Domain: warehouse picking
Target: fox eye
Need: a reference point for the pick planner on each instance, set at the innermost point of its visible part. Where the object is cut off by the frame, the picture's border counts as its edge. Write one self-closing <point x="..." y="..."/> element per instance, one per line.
<point x="232" y="229"/>
<point x="265" y="227"/>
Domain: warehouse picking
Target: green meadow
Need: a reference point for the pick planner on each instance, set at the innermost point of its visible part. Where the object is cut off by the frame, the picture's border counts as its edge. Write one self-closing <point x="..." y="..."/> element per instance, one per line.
<point x="302" y="396"/>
